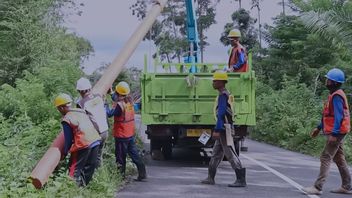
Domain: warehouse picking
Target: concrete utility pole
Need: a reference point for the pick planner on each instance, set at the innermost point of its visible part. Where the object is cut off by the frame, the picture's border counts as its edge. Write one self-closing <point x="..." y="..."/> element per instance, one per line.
<point x="283" y="7"/>
<point x="51" y="158"/>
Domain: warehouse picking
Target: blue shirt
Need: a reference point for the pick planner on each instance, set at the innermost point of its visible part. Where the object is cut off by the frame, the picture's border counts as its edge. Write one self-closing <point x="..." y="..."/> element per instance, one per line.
<point x="221" y="113"/>
<point x="240" y="61"/>
<point x="337" y="102"/>
<point x="117" y="111"/>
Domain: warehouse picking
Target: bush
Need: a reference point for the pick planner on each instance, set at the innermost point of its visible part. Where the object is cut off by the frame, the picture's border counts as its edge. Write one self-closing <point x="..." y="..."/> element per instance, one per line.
<point x="285" y="117"/>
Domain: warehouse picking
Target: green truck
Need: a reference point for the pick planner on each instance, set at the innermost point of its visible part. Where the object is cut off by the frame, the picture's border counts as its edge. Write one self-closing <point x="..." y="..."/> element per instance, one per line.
<point x="177" y="106"/>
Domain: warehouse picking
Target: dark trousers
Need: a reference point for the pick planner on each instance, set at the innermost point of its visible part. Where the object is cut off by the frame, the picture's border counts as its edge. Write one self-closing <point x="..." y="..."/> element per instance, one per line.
<point x="83" y="164"/>
<point x="124" y="146"/>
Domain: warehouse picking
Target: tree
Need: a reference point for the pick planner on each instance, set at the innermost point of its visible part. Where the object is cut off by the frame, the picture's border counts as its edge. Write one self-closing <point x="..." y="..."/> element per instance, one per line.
<point x="333" y="24"/>
<point x="256" y="4"/>
<point x="239" y="4"/>
<point x="169" y="32"/>
<point x="26" y="28"/>
<point x="244" y="22"/>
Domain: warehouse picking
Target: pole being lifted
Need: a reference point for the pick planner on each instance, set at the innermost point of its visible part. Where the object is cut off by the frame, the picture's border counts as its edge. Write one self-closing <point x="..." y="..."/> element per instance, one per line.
<point x="51" y="158"/>
<point x="115" y="68"/>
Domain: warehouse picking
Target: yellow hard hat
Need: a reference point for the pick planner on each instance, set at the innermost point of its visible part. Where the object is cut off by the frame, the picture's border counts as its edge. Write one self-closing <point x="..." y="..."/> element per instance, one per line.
<point x="220" y="75"/>
<point x="234" y="33"/>
<point x="62" y="99"/>
<point x="122" y="88"/>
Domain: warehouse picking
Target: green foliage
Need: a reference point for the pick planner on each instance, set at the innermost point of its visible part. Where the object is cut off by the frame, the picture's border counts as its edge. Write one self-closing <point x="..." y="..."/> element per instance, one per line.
<point x="39" y="59"/>
<point x="286" y="116"/>
<point x="292" y="49"/>
<point x="169" y="32"/>
<point x="241" y="20"/>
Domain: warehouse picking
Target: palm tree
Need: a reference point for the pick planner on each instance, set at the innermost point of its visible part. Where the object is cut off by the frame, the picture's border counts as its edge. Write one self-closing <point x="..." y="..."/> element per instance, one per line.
<point x="334" y="25"/>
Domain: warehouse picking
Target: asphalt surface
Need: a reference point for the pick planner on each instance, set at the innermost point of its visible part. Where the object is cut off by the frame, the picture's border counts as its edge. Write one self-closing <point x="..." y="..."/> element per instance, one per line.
<point x="271" y="173"/>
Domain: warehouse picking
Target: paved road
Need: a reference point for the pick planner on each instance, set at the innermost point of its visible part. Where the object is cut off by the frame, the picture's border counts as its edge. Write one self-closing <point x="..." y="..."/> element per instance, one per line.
<point x="271" y="173"/>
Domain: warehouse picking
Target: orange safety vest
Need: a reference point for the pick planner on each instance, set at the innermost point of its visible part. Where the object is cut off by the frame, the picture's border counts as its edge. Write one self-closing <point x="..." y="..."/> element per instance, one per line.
<point x="233" y="58"/>
<point x="328" y="114"/>
<point x="124" y="124"/>
<point x="83" y="130"/>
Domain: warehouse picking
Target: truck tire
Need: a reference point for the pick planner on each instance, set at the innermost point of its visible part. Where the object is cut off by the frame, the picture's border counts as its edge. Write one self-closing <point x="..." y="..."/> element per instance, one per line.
<point x="155" y="149"/>
<point x="166" y="149"/>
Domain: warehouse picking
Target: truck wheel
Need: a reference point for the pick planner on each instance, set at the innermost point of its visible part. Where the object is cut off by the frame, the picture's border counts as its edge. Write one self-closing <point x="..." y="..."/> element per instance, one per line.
<point x="155" y="149"/>
<point x="167" y="149"/>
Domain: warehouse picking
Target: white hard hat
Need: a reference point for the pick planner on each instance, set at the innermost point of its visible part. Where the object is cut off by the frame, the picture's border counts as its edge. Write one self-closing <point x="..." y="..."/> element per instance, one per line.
<point x="83" y="84"/>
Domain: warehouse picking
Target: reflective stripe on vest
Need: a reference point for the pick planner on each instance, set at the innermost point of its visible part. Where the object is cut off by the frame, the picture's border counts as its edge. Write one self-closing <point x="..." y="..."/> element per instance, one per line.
<point x="124" y="124"/>
<point x="233" y="58"/>
<point x="229" y="109"/>
<point x="83" y="130"/>
<point x="328" y="114"/>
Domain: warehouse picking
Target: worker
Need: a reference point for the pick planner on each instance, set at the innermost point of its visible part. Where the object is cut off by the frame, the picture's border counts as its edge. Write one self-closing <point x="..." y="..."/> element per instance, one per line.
<point x="335" y="124"/>
<point x="224" y="114"/>
<point x="93" y="104"/>
<point x="81" y="140"/>
<point x="238" y="56"/>
<point x="124" y="130"/>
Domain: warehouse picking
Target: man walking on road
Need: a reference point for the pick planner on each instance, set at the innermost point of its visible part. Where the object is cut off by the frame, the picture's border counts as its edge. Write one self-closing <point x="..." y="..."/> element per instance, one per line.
<point x="335" y="125"/>
<point x="224" y="114"/>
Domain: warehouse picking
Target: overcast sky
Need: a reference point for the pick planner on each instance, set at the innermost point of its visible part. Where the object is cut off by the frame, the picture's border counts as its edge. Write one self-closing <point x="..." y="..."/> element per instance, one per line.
<point x="108" y="24"/>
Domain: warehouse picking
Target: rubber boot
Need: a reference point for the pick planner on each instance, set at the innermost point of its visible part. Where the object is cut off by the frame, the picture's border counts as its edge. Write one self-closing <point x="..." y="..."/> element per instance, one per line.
<point x="240" y="178"/>
<point x="142" y="174"/>
<point x="211" y="177"/>
<point x="122" y="170"/>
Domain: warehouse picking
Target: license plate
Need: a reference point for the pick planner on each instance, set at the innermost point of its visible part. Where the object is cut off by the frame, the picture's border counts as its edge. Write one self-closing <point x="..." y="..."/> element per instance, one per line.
<point x="197" y="132"/>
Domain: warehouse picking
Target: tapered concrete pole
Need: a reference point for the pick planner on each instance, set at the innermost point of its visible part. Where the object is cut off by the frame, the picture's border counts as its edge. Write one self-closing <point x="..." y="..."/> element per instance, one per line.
<point x="116" y="66"/>
<point x="51" y="158"/>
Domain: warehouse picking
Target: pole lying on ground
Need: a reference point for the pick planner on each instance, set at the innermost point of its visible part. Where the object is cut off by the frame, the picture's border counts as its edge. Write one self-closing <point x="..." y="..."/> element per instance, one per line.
<point x="51" y="158"/>
<point x="48" y="163"/>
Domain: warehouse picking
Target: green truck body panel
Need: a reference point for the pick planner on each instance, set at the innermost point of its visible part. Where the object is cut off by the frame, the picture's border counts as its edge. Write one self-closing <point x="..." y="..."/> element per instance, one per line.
<point x="168" y="98"/>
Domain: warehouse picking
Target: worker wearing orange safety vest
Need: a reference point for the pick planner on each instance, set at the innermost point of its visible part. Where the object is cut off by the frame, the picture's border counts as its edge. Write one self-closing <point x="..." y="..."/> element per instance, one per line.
<point x="335" y="125"/>
<point x="224" y="115"/>
<point x="238" y="55"/>
<point x="124" y="130"/>
<point x="81" y="140"/>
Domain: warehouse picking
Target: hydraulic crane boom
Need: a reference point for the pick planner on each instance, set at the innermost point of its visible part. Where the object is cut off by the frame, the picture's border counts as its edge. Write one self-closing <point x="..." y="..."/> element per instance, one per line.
<point x="192" y="35"/>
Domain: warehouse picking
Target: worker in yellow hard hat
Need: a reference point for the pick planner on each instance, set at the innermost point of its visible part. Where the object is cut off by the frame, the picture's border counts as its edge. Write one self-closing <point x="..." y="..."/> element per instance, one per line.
<point x="124" y="130"/>
<point x="238" y="55"/>
<point x="93" y="104"/>
<point x="224" y="129"/>
<point x="81" y="140"/>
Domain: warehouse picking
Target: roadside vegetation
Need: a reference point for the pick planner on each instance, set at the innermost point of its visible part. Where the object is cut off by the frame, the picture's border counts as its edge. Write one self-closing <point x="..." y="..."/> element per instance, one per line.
<point x="39" y="58"/>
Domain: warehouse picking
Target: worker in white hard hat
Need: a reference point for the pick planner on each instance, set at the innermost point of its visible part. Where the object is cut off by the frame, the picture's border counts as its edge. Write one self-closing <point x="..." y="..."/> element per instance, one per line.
<point x="93" y="104"/>
<point x="124" y="130"/>
<point x="81" y="140"/>
<point x="238" y="55"/>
